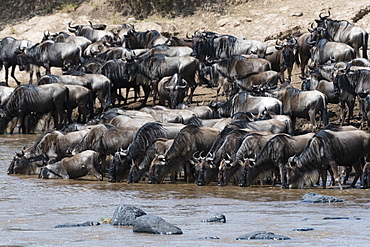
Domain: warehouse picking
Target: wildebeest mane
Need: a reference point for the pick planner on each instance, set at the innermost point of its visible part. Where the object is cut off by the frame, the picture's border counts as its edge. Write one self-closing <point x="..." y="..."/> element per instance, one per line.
<point x="25" y="97"/>
<point x="145" y="137"/>
<point x="194" y="121"/>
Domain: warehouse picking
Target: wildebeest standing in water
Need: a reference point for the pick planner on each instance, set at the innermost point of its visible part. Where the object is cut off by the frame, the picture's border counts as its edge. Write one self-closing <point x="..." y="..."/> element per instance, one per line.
<point x="189" y="140"/>
<point x="51" y="145"/>
<point x="39" y="99"/>
<point x="331" y="147"/>
<point x="273" y="156"/>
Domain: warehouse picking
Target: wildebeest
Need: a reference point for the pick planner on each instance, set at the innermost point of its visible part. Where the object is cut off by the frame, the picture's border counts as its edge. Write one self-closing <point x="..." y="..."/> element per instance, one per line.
<point x="302" y="54"/>
<point x="189" y="140"/>
<point x="63" y="37"/>
<point x="329" y="148"/>
<point x="274" y="156"/>
<point x="8" y="57"/>
<point x="257" y="83"/>
<point x="282" y="57"/>
<point x="158" y="66"/>
<point x="350" y="84"/>
<point x="73" y="167"/>
<point x="172" y="89"/>
<point x="303" y="104"/>
<point x="247" y="147"/>
<point x="51" y="145"/>
<point x="206" y="168"/>
<point x="147" y="39"/>
<point x="170" y="51"/>
<point x="122" y="74"/>
<point x="124" y="159"/>
<point x="313" y="82"/>
<point x="323" y="50"/>
<point x="98" y="47"/>
<point x="224" y="46"/>
<point x="216" y="79"/>
<point x="89" y="32"/>
<point x="343" y="31"/>
<point x="244" y="102"/>
<point x="40" y="99"/>
<point x="158" y="147"/>
<point x="49" y="54"/>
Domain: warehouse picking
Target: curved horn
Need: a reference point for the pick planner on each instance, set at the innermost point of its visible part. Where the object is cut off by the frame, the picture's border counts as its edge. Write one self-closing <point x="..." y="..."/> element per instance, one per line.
<point x="187" y="36"/>
<point x="74" y="27"/>
<point x="311" y="42"/>
<point x="277" y="43"/>
<point x="91" y="25"/>
<point x="324" y="17"/>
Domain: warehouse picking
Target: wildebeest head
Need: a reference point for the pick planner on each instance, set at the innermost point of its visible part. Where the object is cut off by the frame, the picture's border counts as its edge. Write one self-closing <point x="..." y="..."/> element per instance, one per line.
<point x="23" y="163"/>
<point x="222" y="172"/>
<point x="118" y="167"/>
<point x="206" y="170"/>
<point x="287" y="51"/>
<point x="157" y="170"/>
<point x="176" y="88"/>
<point x="244" y="172"/>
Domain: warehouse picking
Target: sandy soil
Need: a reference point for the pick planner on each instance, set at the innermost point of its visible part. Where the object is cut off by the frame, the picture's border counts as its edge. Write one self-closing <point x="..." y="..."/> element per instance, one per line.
<point x="264" y="20"/>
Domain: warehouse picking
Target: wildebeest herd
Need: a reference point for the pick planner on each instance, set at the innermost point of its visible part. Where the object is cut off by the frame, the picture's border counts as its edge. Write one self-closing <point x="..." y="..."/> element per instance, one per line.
<point x="251" y="138"/>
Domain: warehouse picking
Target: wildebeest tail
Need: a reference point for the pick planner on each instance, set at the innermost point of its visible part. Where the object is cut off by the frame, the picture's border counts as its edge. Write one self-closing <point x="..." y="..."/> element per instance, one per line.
<point x="68" y="106"/>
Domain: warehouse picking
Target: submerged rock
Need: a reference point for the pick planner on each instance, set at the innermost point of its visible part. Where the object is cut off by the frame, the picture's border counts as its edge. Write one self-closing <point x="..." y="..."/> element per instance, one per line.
<point x="87" y="223"/>
<point x="155" y="225"/>
<point x="212" y="237"/>
<point x="216" y="218"/>
<point x="303" y="229"/>
<point x="125" y="215"/>
<point x="262" y="235"/>
<point x="311" y="197"/>
<point x="341" y="218"/>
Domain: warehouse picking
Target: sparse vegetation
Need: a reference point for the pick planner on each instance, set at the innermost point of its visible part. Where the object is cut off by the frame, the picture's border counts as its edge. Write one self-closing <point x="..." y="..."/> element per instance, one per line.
<point x="69" y="7"/>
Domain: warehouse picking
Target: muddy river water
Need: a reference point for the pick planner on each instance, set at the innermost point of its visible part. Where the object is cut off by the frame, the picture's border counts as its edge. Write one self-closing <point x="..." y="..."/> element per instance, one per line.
<point x="32" y="207"/>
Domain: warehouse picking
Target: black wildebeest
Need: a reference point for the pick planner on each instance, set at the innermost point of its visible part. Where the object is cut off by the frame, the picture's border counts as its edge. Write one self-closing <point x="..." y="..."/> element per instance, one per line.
<point x="343" y="31"/>
<point x="329" y="148"/>
<point x="79" y="165"/>
<point x="189" y="140"/>
<point x="49" y="54"/>
<point x="273" y="156"/>
<point x="172" y="89"/>
<point x="8" y="57"/>
<point x="282" y="57"/>
<point x="39" y="99"/>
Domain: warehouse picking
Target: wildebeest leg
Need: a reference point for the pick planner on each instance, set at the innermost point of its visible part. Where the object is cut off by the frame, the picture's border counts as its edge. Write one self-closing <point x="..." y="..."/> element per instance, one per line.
<point x="146" y="90"/>
<point x="190" y="97"/>
<point x="358" y="171"/>
<point x="334" y="167"/>
<point x="283" y="175"/>
<point x="343" y="112"/>
<point x="312" y="115"/>
<point x="155" y="91"/>
<point x="13" y="76"/>
<point x="289" y="71"/>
